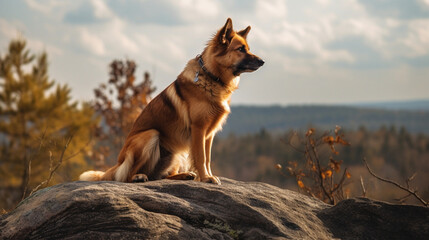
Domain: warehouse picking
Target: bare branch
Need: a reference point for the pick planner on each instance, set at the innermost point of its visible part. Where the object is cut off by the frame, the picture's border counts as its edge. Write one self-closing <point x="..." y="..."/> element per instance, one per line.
<point x="52" y="168"/>
<point x="319" y="169"/>
<point x="29" y="163"/>
<point x="410" y="179"/>
<point x="80" y="150"/>
<point x="289" y="143"/>
<point x="60" y="160"/>
<point x="404" y="198"/>
<point x="282" y="173"/>
<point x="410" y="191"/>
<point x="363" y="187"/>
<point x="341" y="181"/>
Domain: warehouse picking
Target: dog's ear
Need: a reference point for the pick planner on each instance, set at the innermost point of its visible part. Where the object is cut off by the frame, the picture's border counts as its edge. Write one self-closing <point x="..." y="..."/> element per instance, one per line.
<point x="226" y="32"/>
<point x="244" y="32"/>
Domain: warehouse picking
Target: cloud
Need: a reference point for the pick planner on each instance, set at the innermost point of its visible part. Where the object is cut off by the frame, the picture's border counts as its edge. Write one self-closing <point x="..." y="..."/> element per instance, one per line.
<point x="320" y="35"/>
<point x="44" y="6"/>
<point x="160" y="12"/>
<point x="417" y="39"/>
<point x="193" y="10"/>
<point x="269" y="10"/>
<point x="305" y="40"/>
<point x="101" y="31"/>
<point x="348" y="34"/>
<point x="365" y="56"/>
<point x="408" y="9"/>
<point x="101" y="10"/>
<point x="82" y="15"/>
<point x="91" y="42"/>
<point x="155" y="12"/>
<point x="324" y="2"/>
<point x="332" y="41"/>
<point x="46" y="9"/>
<point x="7" y="29"/>
<point x="38" y="45"/>
<point x="366" y="28"/>
<point x="119" y="36"/>
<point x="88" y="12"/>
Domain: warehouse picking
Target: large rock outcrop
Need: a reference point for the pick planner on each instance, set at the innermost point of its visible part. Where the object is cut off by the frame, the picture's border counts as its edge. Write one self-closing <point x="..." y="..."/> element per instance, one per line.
<point x="192" y="210"/>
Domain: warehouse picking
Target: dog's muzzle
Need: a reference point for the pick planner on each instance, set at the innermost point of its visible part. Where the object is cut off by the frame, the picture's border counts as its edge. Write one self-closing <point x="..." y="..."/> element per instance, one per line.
<point x="259" y="62"/>
<point x="249" y="64"/>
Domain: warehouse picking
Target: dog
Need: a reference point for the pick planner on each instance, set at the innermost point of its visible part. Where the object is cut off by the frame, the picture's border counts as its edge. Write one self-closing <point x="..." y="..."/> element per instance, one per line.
<point x="174" y="133"/>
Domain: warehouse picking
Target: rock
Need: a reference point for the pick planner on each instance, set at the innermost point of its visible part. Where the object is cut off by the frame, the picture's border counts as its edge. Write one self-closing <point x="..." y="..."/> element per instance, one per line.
<point x="362" y="218"/>
<point x="170" y="209"/>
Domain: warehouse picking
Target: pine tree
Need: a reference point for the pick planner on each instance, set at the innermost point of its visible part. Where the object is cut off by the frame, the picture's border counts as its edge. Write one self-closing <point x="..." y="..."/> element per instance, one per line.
<point x="37" y="117"/>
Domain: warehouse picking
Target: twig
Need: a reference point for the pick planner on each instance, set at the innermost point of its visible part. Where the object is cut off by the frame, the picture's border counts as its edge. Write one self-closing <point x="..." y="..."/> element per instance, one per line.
<point x="341" y="181"/>
<point x="53" y="169"/>
<point x="363" y="187"/>
<point x="79" y="151"/>
<point x="410" y="191"/>
<point x="402" y="199"/>
<point x="29" y="163"/>
<point x="289" y="143"/>
<point x="282" y="173"/>
<point x="410" y="179"/>
<point x="319" y="169"/>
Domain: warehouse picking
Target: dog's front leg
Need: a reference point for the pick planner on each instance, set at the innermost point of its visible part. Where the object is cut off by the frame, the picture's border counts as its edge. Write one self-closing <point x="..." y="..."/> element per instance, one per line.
<point x="198" y="155"/>
<point x="208" y="148"/>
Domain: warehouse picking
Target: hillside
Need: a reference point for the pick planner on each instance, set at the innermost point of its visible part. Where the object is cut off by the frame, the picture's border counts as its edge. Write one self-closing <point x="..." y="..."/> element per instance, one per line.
<point x="251" y="119"/>
<point x="413" y="105"/>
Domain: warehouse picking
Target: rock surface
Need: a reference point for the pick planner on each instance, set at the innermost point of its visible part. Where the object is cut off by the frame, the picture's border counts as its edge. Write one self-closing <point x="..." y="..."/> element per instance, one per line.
<point x="192" y="210"/>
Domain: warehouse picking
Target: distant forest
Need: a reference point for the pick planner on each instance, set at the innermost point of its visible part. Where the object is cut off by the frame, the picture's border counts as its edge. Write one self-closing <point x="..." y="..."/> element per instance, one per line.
<point x="395" y="142"/>
<point x="251" y="119"/>
<point x="392" y="152"/>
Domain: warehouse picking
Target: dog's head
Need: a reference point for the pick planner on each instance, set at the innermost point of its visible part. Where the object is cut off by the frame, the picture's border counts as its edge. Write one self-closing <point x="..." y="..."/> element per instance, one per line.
<point x="231" y="50"/>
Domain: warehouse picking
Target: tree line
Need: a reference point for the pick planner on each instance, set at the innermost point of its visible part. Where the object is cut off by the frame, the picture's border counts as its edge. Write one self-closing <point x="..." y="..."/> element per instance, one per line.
<point x="391" y="152"/>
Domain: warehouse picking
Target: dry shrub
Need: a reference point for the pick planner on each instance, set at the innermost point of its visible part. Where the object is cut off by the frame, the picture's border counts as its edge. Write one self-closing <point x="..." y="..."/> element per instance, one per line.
<point x="319" y="173"/>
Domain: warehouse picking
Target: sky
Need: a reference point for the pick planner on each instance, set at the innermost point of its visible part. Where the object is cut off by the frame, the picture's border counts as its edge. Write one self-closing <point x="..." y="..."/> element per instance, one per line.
<point x="315" y="51"/>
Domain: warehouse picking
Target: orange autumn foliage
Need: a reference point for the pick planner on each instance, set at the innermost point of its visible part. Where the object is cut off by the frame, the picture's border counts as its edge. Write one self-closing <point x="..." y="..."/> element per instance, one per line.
<point x="315" y="176"/>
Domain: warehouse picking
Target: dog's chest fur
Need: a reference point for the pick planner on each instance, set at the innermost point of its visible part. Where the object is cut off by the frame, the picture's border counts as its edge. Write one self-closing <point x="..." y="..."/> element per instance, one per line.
<point x="208" y="101"/>
<point x="186" y="105"/>
<point x="208" y="114"/>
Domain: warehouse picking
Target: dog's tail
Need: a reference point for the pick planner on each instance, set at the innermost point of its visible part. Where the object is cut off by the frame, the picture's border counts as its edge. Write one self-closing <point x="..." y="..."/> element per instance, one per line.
<point x="140" y="153"/>
<point x="91" y="176"/>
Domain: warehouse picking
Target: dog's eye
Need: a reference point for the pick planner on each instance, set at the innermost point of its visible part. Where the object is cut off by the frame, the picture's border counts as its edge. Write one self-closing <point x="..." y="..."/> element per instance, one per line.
<point x="242" y="49"/>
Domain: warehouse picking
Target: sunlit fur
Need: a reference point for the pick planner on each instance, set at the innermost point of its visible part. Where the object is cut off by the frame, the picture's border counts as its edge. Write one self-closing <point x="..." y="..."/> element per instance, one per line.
<point x="173" y="135"/>
<point x="91" y="176"/>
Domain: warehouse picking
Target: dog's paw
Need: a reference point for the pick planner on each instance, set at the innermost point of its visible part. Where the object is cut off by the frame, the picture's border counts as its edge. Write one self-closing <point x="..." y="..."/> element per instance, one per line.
<point x="182" y="176"/>
<point x="211" y="179"/>
<point x="191" y="176"/>
<point x="140" y="178"/>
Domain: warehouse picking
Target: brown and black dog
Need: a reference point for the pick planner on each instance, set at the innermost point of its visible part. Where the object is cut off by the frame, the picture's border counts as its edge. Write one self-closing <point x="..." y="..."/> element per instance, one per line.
<point x="173" y="135"/>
